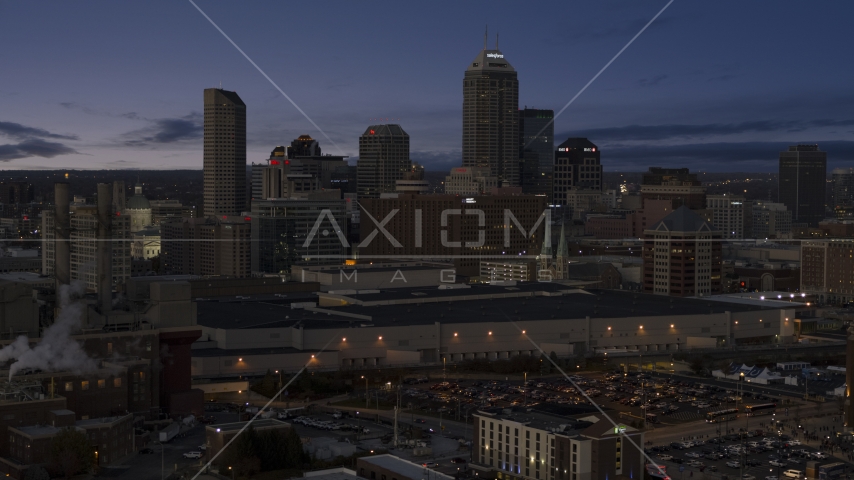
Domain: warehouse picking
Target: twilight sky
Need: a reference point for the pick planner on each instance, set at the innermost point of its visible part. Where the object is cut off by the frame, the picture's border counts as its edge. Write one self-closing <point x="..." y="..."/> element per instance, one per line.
<point x="714" y="86"/>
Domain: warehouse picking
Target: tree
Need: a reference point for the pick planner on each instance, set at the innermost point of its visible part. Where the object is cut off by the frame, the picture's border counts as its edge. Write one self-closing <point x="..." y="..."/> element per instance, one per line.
<point x="697" y="365"/>
<point x="70" y="453"/>
<point x="36" y="472"/>
<point x="553" y="357"/>
<point x="295" y="456"/>
<point x="267" y="386"/>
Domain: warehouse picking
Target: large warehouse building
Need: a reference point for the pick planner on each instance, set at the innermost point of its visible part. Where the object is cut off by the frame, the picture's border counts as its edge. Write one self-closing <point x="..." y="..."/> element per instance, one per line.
<point x="428" y="325"/>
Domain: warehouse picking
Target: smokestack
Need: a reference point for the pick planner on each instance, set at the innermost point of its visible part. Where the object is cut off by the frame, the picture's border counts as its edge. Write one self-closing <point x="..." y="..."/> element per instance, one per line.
<point x="62" y="230"/>
<point x="105" y="247"/>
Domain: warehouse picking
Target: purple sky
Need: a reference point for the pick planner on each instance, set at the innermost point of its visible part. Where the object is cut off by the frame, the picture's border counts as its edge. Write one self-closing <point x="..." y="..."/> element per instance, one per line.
<point x="717" y="86"/>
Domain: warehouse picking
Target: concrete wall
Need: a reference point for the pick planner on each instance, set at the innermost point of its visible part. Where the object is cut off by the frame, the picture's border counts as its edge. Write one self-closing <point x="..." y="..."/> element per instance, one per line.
<point x="258" y="364"/>
<point x="701" y="342"/>
<point x="498" y="338"/>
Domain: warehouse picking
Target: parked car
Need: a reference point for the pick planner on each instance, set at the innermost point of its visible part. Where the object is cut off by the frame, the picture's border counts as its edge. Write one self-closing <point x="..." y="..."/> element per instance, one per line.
<point x="146" y="451"/>
<point x="733" y="464"/>
<point x="193" y="455"/>
<point x="776" y="463"/>
<point x="458" y="460"/>
<point x="791" y="473"/>
<point x="429" y="464"/>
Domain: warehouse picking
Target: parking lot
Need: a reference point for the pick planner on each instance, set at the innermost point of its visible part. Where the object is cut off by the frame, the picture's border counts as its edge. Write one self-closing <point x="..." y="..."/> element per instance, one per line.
<point x="657" y="398"/>
<point x="753" y="455"/>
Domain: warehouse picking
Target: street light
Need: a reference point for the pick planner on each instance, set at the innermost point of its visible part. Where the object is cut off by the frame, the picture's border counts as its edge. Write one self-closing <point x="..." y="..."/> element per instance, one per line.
<point x="232" y="473"/>
<point x="162" y="464"/>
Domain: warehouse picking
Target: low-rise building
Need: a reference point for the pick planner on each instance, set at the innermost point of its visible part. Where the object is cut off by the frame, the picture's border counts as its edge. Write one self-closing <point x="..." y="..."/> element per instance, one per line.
<point x="539" y="446"/>
<point x="217" y="436"/>
<point x="110" y="437"/>
<point x="470" y="181"/>
<point x="389" y="467"/>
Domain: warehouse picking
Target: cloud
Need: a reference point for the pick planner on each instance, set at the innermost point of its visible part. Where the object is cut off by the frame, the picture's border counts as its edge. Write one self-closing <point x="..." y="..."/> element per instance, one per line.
<point x="592" y="31"/>
<point x="92" y="111"/>
<point x="720" y="156"/>
<point x="677" y="131"/>
<point x="437" y="160"/>
<point x="651" y="82"/>
<point x="33" y="147"/>
<point x="23" y="132"/>
<point x="165" y="130"/>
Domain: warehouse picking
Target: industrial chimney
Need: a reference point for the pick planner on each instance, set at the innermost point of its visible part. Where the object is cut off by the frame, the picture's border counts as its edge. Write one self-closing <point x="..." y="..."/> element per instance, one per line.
<point x="62" y="230"/>
<point x="105" y="247"/>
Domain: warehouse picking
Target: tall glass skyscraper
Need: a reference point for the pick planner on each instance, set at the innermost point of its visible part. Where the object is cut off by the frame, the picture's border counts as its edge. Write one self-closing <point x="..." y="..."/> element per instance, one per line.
<point x="491" y="116"/>
<point x="224" y="153"/>
<point x="537" y="150"/>
<point x="803" y="183"/>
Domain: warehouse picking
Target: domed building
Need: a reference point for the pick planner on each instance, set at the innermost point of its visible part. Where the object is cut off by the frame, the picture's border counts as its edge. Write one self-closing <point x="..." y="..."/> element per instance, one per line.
<point x="139" y="209"/>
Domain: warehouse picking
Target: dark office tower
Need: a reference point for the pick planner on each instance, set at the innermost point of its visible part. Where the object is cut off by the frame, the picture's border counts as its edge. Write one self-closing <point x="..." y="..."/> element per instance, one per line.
<point x="491" y="116"/>
<point x="383" y="159"/>
<point x="304" y="146"/>
<point x="224" y="153"/>
<point x="803" y="179"/>
<point x="537" y="150"/>
<point x="16" y="192"/>
<point x="577" y="166"/>
<point x="843" y="187"/>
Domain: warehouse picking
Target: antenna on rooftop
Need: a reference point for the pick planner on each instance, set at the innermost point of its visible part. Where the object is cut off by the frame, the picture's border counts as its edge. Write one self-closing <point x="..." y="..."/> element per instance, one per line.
<point x="496" y="41"/>
<point x="485" y="34"/>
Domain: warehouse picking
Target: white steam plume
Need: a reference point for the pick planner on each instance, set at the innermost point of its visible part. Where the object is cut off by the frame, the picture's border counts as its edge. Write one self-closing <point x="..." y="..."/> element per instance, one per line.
<point x="56" y="351"/>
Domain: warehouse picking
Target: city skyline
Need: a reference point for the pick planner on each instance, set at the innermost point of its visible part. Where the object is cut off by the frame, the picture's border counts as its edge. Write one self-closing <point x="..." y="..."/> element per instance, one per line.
<point x="91" y="92"/>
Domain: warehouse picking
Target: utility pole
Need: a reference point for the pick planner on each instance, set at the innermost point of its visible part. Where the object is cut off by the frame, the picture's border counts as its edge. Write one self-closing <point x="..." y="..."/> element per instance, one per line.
<point x="366" y="391"/>
<point x="395" y="426"/>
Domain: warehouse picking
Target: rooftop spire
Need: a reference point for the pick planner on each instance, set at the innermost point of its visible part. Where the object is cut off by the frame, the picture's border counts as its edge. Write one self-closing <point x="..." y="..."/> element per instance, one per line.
<point x="485" y="35"/>
<point x="546" y="250"/>
<point x="562" y="248"/>
<point x="496" y="40"/>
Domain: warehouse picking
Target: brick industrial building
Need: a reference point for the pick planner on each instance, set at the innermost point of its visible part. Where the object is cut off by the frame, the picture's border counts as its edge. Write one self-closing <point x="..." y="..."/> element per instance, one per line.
<point x="207" y="246"/>
<point x="682" y="256"/>
<point x="827" y="270"/>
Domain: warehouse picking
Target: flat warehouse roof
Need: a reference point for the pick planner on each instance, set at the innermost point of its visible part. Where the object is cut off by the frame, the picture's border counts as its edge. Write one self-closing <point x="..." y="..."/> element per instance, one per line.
<point x="470" y="305"/>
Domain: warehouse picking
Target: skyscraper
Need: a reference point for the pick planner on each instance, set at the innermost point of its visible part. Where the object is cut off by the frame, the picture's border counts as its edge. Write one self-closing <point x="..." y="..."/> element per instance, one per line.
<point x="224" y="153"/>
<point x="803" y="178"/>
<point x="383" y="159"/>
<point x="577" y="164"/>
<point x="304" y="146"/>
<point x="491" y="116"/>
<point x="537" y="152"/>
<point x="843" y="187"/>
